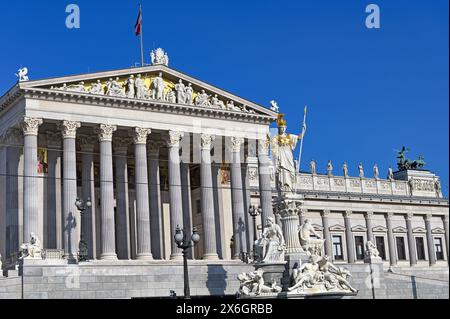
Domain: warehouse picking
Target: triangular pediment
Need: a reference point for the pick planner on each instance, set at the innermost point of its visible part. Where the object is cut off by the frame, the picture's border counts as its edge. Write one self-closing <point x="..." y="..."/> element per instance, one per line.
<point x="438" y="230"/>
<point x="359" y="228"/>
<point x="400" y="229"/>
<point x="157" y="83"/>
<point x="337" y="228"/>
<point x="419" y="230"/>
<point x="317" y="227"/>
<point x="380" y="229"/>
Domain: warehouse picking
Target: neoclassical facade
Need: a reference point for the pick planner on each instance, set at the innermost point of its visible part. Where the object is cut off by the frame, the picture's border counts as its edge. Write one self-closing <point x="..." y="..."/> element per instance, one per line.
<point x="153" y="149"/>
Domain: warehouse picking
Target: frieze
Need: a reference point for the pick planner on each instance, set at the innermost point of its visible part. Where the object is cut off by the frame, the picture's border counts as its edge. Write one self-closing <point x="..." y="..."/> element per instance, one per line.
<point x="424" y="185"/>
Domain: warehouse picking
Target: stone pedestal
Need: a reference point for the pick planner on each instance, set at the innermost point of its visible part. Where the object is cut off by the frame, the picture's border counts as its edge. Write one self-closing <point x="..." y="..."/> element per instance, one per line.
<point x="292" y="260"/>
<point x="273" y="272"/>
<point x="289" y="208"/>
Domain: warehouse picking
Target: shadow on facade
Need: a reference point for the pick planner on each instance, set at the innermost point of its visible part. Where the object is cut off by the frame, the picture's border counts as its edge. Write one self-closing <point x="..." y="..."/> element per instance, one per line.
<point x="217" y="280"/>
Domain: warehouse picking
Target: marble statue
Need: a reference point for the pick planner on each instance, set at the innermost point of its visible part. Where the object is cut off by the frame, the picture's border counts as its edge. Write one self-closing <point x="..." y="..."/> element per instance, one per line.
<point x="390" y="174"/>
<point x="158" y="56"/>
<point x="202" y="99"/>
<point x="33" y="249"/>
<point x="114" y="88"/>
<point x="312" y="167"/>
<point x="345" y="169"/>
<point x="215" y="102"/>
<point x="307" y="275"/>
<point x="130" y="84"/>
<point x="139" y="85"/>
<point x="157" y="88"/>
<point x="171" y="97"/>
<point x="376" y="172"/>
<point x="330" y="168"/>
<point x="334" y="277"/>
<point x="232" y="107"/>
<point x="188" y="94"/>
<point x="437" y="187"/>
<point x="22" y="74"/>
<point x="371" y="250"/>
<point x="361" y="170"/>
<point x="180" y="88"/>
<point x="270" y="247"/>
<point x="309" y="244"/>
<point x="283" y="146"/>
<point x="96" y="88"/>
<point x="411" y="186"/>
<point x="274" y="106"/>
<point x="253" y="284"/>
<point x="76" y="87"/>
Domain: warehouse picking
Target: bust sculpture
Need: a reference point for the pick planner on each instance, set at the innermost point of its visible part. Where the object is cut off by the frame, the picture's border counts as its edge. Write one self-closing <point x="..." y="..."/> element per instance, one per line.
<point x="309" y="244"/>
<point x="270" y="247"/>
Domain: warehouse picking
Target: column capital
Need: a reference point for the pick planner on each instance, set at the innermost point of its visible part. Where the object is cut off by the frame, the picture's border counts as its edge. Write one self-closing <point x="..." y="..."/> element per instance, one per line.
<point x="348" y="214"/>
<point x="69" y="128"/>
<point x="30" y="126"/>
<point x="263" y="146"/>
<point x="207" y="140"/>
<point x="368" y="215"/>
<point x="427" y="217"/>
<point x="409" y="216"/>
<point x="120" y="145"/>
<point x="174" y="138"/>
<point x="325" y="213"/>
<point x="105" y="132"/>
<point x="389" y="215"/>
<point x="236" y="143"/>
<point x="140" y="134"/>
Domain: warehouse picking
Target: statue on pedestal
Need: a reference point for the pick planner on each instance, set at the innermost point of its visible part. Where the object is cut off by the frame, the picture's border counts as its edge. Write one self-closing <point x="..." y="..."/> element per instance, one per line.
<point x="371" y="250"/>
<point x="310" y="245"/>
<point x="33" y="249"/>
<point x="345" y="169"/>
<point x="329" y="169"/>
<point x="312" y="167"/>
<point x="283" y="146"/>
<point x="270" y="247"/>
<point x="376" y="172"/>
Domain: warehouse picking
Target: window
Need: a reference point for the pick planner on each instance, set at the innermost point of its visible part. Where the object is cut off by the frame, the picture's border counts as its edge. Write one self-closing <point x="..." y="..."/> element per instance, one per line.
<point x="359" y="246"/>
<point x="401" y="254"/>
<point x="381" y="247"/>
<point x="438" y="249"/>
<point x="337" y="248"/>
<point x="420" y="246"/>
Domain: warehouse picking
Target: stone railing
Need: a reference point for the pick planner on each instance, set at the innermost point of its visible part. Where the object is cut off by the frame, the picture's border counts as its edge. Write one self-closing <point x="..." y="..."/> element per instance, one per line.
<point x="359" y="185"/>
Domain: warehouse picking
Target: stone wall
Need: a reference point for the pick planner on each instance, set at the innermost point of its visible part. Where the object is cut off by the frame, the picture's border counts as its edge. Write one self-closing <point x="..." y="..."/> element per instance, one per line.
<point x="10" y="288"/>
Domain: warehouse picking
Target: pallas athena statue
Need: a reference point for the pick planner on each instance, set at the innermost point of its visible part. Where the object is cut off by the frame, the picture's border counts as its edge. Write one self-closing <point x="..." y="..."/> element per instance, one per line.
<point x="283" y="146"/>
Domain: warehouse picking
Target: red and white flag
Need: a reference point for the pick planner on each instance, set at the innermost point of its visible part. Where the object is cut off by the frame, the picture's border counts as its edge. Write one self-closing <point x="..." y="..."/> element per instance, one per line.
<point x="138" y="25"/>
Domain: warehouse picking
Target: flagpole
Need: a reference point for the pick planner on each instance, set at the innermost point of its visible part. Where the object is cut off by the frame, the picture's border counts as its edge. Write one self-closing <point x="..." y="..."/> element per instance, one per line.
<point x="301" y="142"/>
<point x="142" y="41"/>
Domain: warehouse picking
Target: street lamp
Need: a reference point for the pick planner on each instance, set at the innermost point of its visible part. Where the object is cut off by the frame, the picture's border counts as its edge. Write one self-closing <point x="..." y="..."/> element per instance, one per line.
<point x="82" y="247"/>
<point x="254" y="213"/>
<point x="183" y="242"/>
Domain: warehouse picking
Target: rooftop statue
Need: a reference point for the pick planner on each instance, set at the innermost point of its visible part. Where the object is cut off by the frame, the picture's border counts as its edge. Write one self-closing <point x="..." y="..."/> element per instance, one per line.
<point x="403" y="163"/>
<point x="159" y="57"/>
<point x="22" y="74"/>
<point x="283" y="146"/>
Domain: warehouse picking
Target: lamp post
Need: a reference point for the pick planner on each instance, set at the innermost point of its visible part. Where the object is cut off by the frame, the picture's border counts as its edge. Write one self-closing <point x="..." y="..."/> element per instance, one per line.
<point x="254" y="213"/>
<point x="82" y="246"/>
<point x="184" y="243"/>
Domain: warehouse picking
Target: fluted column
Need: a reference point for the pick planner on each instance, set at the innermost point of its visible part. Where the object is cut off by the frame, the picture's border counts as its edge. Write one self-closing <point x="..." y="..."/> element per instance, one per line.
<point x="391" y="242"/>
<point x="175" y="197"/>
<point x="142" y="203"/>
<point x="430" y="240"/>
<point x="326" y="233"/>
<point x="120" y="145"/>
<point x="237" y="198"/>
<point x="368" y="216"/>
<point x="349" y="237"/>
<point x="209" y="226"/>
<point x="445" y="221"/>
<point x="30" y="127"/>
<point x="265" y="188"/>
<point x="108" y="234"/>
<point x="411" y="241"/>
<point x="53" y="188"/>
<point x="156" y="232"/>
<point x="87" y="143"/>
<point x="289" y="211"/>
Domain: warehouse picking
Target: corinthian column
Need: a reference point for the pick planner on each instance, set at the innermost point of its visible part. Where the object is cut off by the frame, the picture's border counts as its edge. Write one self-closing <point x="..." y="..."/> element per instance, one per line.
<point x="265" y="188"/>
<point x="108" y="236"/>
<point x="141" y="186"/>
<point x="430" y="240"/>
<point x="71" y="214"/>
<point x="209" y="226"/>
<point x="411" y="242"/>
<point x="30" y="127"/>
<point x="120" y="146"/>
<point x="237" y="197"/>
<point x="175" y="198"/>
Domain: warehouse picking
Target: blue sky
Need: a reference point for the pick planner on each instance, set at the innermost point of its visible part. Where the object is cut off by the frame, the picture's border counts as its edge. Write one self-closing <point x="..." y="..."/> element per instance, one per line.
<point x="369" y="91"/>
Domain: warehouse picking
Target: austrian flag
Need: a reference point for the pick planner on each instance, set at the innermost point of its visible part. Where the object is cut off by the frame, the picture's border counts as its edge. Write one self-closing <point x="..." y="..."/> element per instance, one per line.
<point x="138" y="25"/>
